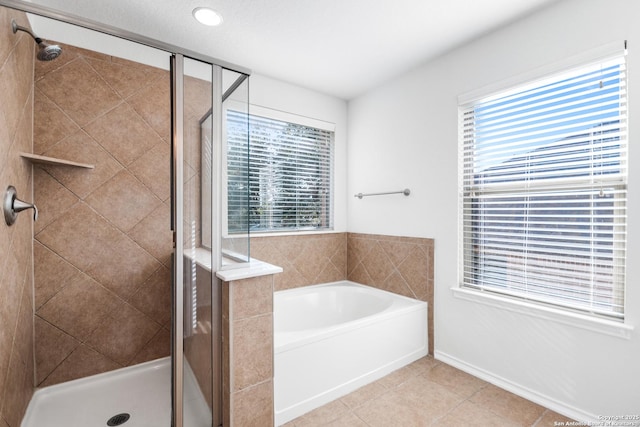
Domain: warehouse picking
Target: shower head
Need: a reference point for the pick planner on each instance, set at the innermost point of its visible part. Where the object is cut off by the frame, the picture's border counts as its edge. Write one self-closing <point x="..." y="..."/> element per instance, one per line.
<point x="46" y="52"/>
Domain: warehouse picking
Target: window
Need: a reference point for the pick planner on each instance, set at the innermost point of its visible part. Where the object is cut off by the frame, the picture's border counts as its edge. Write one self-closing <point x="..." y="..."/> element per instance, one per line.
<point x="290" y="171"/>
<point x="543" y="190"/>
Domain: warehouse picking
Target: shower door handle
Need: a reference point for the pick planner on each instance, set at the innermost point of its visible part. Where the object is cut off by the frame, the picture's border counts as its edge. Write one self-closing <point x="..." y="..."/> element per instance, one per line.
<point x="12" y="206"/>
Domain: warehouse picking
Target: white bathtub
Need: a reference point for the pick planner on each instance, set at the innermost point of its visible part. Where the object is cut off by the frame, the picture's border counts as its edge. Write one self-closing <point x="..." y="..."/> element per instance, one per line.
<point x="334" y="338"/>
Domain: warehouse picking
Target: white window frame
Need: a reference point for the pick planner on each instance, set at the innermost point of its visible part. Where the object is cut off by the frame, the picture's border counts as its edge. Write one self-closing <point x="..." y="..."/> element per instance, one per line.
<point x="284" y="116"/>
<point x="535" y="309"/>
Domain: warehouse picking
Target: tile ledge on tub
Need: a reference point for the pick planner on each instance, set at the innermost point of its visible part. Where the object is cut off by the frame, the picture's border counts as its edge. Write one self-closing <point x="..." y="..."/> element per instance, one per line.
<point x="255" y="268"/>
<point x="595" y="324"/>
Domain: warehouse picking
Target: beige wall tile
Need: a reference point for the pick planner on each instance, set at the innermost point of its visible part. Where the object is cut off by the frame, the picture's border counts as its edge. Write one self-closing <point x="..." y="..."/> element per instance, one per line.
<point x="7" y="38"/>
<point x="396" y="284"/>
<point x="19" y="389"/>
<point x="51" y="197"/>
<point x="407" y="263"/>
<point x="17" y="82"/>
<point x="330" y="273"/>
<point x="52" y="347"/>
<point x="104" y="253"/>
<point x="146" y="169"/>
<point x="153" y="297"/>
<point x="125" y="77"/>
<point x="51" y="273"/>
<point x="80" y="307"/>
<point x="377" y="264"/>
<point x="306" y="260"/>
<point x="16" y="259"/>
<point x="43" y="68"/>
<point x="414" y="270"/>
<point x="253" y="406"/>
<point x="80" y="147"/>
<point x="153" y="105"/>
<point x="289" y="278"/>
<point x="227" y="363"/>
<point x="79" y="91"/>
<point x="82" y="362"/>
<point x="23" y="340"/>
<point x="11" y="287"/>
<point x="123" y="334"/>
<point x="52" y="126"/>
<point x="252" y="297"/>
<point x="123" y="200"/>
<point x="153" y="234"/>
<point x="159" y="346"/>
<point x="252" y="350"/>
<point x="123" y="133"/>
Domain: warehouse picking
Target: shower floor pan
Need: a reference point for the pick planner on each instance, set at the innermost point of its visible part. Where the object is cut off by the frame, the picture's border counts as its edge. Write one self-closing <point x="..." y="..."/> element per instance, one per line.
<point x="143" y="392"/>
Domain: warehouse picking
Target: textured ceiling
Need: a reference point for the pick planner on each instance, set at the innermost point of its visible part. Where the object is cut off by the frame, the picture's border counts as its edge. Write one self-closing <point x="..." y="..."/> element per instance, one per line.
<point x="339" y="47"/>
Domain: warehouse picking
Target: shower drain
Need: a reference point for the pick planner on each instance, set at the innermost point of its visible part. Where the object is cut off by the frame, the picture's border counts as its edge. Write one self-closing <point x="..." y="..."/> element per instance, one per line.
<point x="119" y="419"/>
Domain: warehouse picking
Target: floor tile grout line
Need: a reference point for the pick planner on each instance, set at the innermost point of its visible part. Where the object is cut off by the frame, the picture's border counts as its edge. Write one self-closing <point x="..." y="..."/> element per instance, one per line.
<point x="536" y="422"/>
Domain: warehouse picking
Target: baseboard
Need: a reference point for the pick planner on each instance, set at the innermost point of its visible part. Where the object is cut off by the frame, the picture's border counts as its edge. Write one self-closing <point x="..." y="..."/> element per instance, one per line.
<point x="546" y="401"/>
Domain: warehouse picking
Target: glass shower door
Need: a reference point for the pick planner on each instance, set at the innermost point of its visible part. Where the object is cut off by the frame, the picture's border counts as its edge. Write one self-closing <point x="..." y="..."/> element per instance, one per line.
<point x="196" y="335"/>
<point x="211" y="220"/>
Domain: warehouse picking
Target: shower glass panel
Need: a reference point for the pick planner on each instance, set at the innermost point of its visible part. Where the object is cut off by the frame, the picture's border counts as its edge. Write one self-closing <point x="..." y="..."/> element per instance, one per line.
<point x="201" y="290"/>
<point x="227" y="178"/>
<point x="214" y="225"/>
<point x="235" y="176"/>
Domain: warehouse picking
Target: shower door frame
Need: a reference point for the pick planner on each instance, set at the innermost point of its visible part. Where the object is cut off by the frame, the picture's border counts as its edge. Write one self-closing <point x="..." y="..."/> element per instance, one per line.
<point x="177" y="55"/>
<point x="177" y="215"/>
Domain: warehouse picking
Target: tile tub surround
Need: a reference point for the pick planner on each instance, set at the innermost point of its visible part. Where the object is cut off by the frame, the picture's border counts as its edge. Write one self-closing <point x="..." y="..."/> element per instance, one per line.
<point x="308" y="259"/>
<point x="16" y="263"/>
<point x="102" y="248"/>
<point x="403" y="265"/>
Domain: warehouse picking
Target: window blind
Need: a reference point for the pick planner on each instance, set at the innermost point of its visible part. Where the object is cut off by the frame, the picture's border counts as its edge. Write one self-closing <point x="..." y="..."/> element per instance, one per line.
<point x="289" y="174"/>
<point x="543" y="190"/>
<point x="237" y="173"/>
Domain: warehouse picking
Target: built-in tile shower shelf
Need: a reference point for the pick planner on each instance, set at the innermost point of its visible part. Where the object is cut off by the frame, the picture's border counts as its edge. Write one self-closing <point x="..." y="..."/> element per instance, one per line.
<point x="35" y="158"/>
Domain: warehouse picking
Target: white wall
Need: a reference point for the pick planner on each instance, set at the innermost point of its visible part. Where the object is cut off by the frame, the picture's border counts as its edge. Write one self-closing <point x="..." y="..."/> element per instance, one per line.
<point x="404" y="134"/>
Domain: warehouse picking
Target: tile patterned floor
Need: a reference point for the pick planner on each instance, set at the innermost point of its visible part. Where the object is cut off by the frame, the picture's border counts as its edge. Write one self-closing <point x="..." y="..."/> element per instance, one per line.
<point x="429" y="393"/>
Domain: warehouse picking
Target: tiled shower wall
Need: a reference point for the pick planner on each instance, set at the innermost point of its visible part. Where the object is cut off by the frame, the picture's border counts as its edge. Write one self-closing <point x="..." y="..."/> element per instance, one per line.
<point x="403" y="265"/>
<point x="103" y="245"/>
<point x="16" y="273"/>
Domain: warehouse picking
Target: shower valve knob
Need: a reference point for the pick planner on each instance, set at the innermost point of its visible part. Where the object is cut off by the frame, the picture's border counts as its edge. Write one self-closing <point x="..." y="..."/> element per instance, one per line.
<point x="12" y="206"/>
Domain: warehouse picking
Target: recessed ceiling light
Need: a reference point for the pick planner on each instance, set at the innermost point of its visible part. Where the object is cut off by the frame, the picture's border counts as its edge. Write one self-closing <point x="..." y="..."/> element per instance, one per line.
<point x="207" y="16"/>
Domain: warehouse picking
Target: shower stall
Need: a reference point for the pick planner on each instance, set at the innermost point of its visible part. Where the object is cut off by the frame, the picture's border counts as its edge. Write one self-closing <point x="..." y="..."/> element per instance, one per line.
<point x="138" y="163"/>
